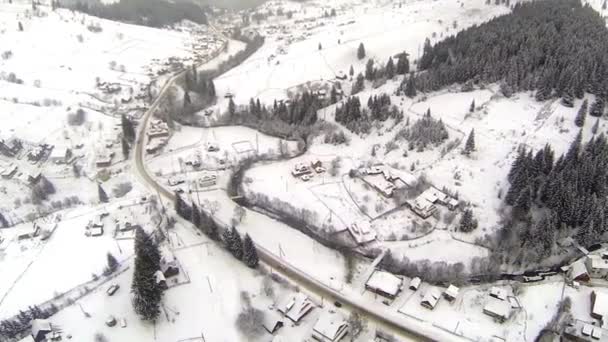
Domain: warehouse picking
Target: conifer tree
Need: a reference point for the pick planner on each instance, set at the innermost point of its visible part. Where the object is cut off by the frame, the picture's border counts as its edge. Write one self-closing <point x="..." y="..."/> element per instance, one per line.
<point x="195" y="217"/>
<point x="596" y="126"/>
<point x="597" y="109"/>
<point x="320" y="47"/>
<point x="470" y="144"/>
<point x="359" y="84"/>
<point x="370" y="71"/>
<point x="390" y="68"/>
<point x="3" y="221"/>
<point x="403" y="64"/>
<point x="579" y="121"/>
<point x="361" y="51"/>
<point x="231" y="107"/>
<point x="250" y="254"/>
<point x="128" y="131"/>
<point x="410" y="89"/>
<point x="112" y="263"/>
<point x="125" y="148"/>
<point x="182" y="208"/>
<point x="20" y="27"/>
<point x="103" y="196"/>
<point x="467" y="222"/>
<point x="472" y="107"/>
<point x="147" y="294"/>
<point x="187" y="100"/>
<point x="351" y="71"/>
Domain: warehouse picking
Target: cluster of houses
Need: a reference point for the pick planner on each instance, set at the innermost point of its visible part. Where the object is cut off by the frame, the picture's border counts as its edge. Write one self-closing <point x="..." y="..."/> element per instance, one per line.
<point x="305" y="171"/>
<point x="95" y="227"/>
<point x="11" y="147"/>
<point x="589" y="267"/>
<point x="43" y="331"/>
<point x="329" y="327"/>
<point x="425" y="205"/>
<point x="158" y="136"/>
<point x="109" y="87"/>
<point x="584" y="331"/>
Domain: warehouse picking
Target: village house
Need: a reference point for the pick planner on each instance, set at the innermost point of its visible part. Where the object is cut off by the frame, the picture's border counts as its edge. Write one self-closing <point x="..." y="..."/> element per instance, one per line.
<point x="300" y="170"/>
<point x="362" y="232"/>
<point x="599" y="304"/>
<point x="10" y="148"/>
<point x="415" y="284"/>
<point x="597" y="266"/>
<point x="497" y="309"/>
<point x="29" y="233"/>
<point x="60" y="155"/>
<point x="272" y="322"/>
<point x="207" y="180"/>
<point x="430" y="299"/>
<point x="498" y="293"/>
<point x="386" y="180"/>
<point x="295" y="307"/>
<point x="155" y="145"/>
<point x="330" y="327"/>
<point x="41" y="329"/>
<point x="578" y="271"/>
<point x="158" y="129"/>
<point x="451" y="293"/>
<point x="104" y="158"/>
<point x="581" y="331"/>
<point x="384" y="283"/>
<point x="8" y="171"/>
<point x="424" y="204"/>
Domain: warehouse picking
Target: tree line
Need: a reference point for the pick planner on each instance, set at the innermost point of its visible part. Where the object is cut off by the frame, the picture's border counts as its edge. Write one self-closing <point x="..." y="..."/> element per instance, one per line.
<point x="558" y="48"/>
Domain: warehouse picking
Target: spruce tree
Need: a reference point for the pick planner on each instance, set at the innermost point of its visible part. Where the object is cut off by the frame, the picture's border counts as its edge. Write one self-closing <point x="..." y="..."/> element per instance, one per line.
<point x="103" y="197"/>
<point x="195" y="217"/>
<point x="187" y="100"/>
<point x="351" y="71"/>
<point x="320" y="47"/>
<point x="370" y="71"/>
<point x="3" y="221"/>
<point x="128" y="131"/>
<point x="579" y="121"/>
<point x="472" y="107"/>
<point x="361" y="51"/>
<point x="410" y="88"/>
<point x="233" y="241"/>
<point x="231" y="107"/>
<point x="147" y="294"/>
<point x="125" y="148"/>
<point x="359" y="84"/>
<point x="596" y="126"/>
<point x="20" y="27"/>
<point x="467" y="222"/>
<point x="597" y="109"/>
<point x="470" y="144"/>
<point x="182" y="208"/>
<point x="250" y="254"/>
<point x="403" y="64"/>
<point x="112" y="263"/>
<point x="390" y="68"/>
<point x="604" y="5"/>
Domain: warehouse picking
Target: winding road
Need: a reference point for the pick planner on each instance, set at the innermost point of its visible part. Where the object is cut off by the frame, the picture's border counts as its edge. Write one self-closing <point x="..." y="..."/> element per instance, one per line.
<point x="385" y="318"/>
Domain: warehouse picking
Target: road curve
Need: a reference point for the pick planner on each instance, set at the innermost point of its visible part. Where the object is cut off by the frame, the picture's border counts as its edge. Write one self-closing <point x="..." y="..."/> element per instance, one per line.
<point x="395" y="323"/>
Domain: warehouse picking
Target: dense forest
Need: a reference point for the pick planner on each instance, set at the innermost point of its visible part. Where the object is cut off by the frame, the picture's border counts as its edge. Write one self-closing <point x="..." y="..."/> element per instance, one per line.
<point x="557" y="47"/>
<point x="155" y="13"/>
<point x="555" y="199"/>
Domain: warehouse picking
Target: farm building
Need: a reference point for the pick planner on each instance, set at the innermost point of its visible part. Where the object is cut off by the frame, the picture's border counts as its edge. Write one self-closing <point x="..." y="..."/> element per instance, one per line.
<point x="578" y="271"/>
<point x="385" y="179"/>
<point x="104" y="158"/>
<point x="8" y="171"/>
<point x="430" y="299"/>
<point x="384" y="283"/>
<point x="60" y="155"/>
<point x="29" y="233"/>
<point x="498" y="309"/>
<point x="272" y="322"/>
<point x="451" y="293"/>
<point x="96" y="231"/>
<point x="362" y="232"/>
<point x="597" y="266"/>
<point x="295" y="307"/>
<point x="330" y="327"/>
<point x="300" y="170"/>
<point x="415" y="284"/>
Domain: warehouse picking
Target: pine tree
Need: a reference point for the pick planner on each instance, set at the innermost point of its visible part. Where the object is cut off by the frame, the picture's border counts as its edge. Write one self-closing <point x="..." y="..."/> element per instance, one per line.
<point x="3" y="221"/>
<point x="187" y="100"/>
<point x="195" y="217"/>
<point x="597" y="109"/>
<point x="147" y="294"/>
<point x="211" y="89"/>
<point x="596" y="126"/>
<point x="472" y="107"/>
<point x="351" y="71"/>
<point x="467" y="222"/>
<point x="470" y="144"/>
<point x="410" y="89"/>
<point x="128" y="131"/>
<point x="231" y="107"/>
<point x="524" y="201"/>
<point x="250" y="253"/>
<point x="604" y="5"/>
<point x="359" y="84"/>
<point x="403" y="64"/>
<point x="182" y="208"/>
<point x="233" y="242"/>
<point x="390" y="68"/>
<point x="579" y="121"/>
<point x="320" y="47"/>
<point x="125" y="148"/>
<point x="112" y="263"/>
<point x="103" y="196"/>
<point x="20" y="27"/>
<point x="370" y="71"/>
<point x="361" y="51"/>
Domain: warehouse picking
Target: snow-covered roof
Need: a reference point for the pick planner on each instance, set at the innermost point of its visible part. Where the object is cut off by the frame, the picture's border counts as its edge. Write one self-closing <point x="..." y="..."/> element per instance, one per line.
<point x="159" y="276"/>
<point x="295" y="306"/>
<point x="600" y="304"/>
<point x="498" y="293"/>
<point x="40" y="326"/>
<point x="577" y="269"/>
<point x="452" y="291"/>
<point x="385" y="282"/>
<point x="96" y="231"/>
<point x="497" y="308"/>
<point x="330" y="326"/>
<point x="431" y="297"/>
<point x="415" y="283"/>
<point x="597" y="263"/>
<point x="361" y="231"/>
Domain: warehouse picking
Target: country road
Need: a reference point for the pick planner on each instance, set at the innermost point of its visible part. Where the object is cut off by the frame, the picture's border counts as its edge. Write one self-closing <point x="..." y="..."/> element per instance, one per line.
<point x="386" y="318"/>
